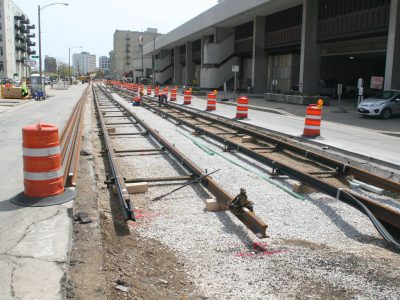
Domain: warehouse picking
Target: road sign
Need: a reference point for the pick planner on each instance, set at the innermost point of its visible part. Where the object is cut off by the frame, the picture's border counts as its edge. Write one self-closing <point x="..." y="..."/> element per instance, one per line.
<point x="340" y="89"/>
<point x="376" y="82"/>
<point x="235" y="69"/>
<point x="34" y="56"/>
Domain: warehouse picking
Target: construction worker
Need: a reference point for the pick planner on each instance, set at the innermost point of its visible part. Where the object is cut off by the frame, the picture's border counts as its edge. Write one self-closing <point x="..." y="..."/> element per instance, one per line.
<point x="137" y="99"/>
<point x="162" y="99"/>
<point x="241" y="201"/>
<point x="24" y="91"/>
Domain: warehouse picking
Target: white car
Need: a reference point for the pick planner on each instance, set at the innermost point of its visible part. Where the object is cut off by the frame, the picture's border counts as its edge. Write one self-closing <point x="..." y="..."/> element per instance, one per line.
<point x="384" y="105"/>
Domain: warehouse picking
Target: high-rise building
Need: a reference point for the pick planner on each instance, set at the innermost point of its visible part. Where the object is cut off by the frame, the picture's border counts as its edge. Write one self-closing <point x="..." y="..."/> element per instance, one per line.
<point x="15" y="41"/>
<point x="126" y="57"/>
<point x="50" y="64"/>
<point x="83" y="63"/>
<point x="104" y="62"/>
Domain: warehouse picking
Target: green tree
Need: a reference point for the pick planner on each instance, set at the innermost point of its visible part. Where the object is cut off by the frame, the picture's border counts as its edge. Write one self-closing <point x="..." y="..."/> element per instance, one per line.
<point x="100" y="73"/>
<point x="63" y="70"/>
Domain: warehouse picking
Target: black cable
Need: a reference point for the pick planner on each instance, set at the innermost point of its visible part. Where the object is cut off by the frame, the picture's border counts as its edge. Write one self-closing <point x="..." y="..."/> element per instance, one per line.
<point x="378" y="225"/>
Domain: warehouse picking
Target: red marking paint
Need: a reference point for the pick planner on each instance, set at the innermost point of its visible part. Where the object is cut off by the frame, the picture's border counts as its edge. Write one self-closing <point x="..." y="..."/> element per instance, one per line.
<point x="258" y="249"/>
<point x="142" y="214"/>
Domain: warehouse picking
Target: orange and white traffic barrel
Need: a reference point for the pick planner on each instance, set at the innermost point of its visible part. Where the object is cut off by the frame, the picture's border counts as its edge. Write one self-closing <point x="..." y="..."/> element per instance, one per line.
<point x="187" y="98"/>
<point x="173" y="95"/>
<point x="135" y="88"/>
<point x="156" y="91"/>
<point x="211" y="102"/>
<point x="312" y="123"/>
<point x="149" y="90"/>
<point x="242" y="108"/>
<point x="43" y="174"/>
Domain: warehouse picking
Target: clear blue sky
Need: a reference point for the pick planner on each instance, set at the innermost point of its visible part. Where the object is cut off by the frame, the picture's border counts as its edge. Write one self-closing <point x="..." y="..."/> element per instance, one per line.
<point x="91" y="23"/>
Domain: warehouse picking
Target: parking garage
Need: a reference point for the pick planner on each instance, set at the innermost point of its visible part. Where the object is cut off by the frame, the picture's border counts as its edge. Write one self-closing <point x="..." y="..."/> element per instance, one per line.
<point x="284" y="46"/>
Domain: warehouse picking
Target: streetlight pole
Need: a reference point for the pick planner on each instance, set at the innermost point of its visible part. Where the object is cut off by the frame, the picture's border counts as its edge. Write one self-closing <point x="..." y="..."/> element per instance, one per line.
<point x="154" y="59"/>
<point x="40" y="49"/>
<point x="40" y="40"/>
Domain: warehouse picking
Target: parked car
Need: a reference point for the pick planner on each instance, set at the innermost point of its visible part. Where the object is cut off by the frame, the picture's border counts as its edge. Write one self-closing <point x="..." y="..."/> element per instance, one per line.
<point x="384" y="105"/>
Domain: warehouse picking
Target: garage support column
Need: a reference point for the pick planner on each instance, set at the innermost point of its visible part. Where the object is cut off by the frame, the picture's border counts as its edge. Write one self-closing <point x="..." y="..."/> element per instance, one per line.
<point x="260" y="58"/>
<point x="190" y="67"/>
<point x="392" y="73"/>
<point x="177" y="66"/>
<point x="310" y="57"/>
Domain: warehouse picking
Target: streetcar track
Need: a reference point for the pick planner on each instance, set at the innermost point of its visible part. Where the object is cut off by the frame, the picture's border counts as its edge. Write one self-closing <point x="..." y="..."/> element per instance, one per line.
<point x="324" y="174"/>
<point x="257" y="226"/>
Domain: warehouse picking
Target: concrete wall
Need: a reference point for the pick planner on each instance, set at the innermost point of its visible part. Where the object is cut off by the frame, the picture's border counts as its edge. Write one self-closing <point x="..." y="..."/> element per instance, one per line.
<point x="212" y="78"/>
<point x="163" y="61"/>
<point x="215" y="53"/>
<point x="246" y="73"/>
<point x="284" y="68"/>
<point x="162" y="77"/>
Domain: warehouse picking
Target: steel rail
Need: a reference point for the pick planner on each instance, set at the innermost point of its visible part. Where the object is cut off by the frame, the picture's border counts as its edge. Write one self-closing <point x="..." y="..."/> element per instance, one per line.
<point x="249" y="219"/>
<point x="385" y="214"/>
<point x="122" y="191"/>
<point x="71" y="140"/>
<point x="286" y="144"/>
<point x="77" y="147"/>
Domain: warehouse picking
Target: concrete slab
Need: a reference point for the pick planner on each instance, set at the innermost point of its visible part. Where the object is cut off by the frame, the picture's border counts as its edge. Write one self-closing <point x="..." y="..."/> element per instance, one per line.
<point x="34" y="241"/>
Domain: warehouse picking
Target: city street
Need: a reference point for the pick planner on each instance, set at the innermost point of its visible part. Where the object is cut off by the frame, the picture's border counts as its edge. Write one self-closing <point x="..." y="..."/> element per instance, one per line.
<point x="288" y="189"/>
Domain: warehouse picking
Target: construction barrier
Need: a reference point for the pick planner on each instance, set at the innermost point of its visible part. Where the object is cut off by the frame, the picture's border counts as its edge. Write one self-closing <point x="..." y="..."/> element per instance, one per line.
<point x="211" y="102"/>
<point x="43" y="175"/>
<point x="187" y="98"/>
<point x="173" y="95"/>
<point x="156" y="91"/>
<point x="149" y="90"/>
<point x="242" y="108"/>
<point x="312" y="123"/>
<point x="135" y="88"/>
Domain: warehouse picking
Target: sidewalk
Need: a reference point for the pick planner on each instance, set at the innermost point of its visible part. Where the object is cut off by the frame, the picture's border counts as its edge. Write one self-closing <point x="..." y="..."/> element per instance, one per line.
<point x="330" y="112"/>
<point x="339" y="130"/>
<point x="34" y="241"/>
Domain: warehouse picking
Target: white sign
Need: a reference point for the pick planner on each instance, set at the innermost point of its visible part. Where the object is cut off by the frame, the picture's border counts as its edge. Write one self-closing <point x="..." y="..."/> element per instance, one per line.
<point x="235" y="69"/>
<point x="376" y="82"/>
<point x="339" y="89"/>
<point x="31" y="63"/>
<point x="224" y="86"/>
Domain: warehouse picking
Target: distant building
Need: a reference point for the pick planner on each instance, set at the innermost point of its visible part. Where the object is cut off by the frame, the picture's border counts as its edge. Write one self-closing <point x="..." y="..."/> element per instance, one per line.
<point x="126" y="57"/>
<point x="83" y="63"/>
<point x="50" y="64"/>
<point x="15" y="41"/>
<point x="104" y="63"/>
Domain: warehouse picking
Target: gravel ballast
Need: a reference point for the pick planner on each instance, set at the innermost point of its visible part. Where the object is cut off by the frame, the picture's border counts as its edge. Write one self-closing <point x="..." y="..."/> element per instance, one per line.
<point x="319" y="247"/>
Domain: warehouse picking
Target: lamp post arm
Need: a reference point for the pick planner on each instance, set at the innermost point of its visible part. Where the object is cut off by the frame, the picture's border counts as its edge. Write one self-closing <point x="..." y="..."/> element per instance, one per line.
<point x="56" y="3"/>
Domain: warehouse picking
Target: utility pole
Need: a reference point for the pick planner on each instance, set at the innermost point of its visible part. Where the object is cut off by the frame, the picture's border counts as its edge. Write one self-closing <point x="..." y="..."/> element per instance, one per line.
<point x="141" y="44"/>
<point x="154" y="59"/>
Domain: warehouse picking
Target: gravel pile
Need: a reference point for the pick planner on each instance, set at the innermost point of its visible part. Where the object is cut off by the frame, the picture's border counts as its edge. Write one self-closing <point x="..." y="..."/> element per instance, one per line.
<point x="319" y="248"/>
